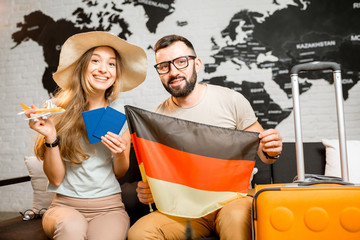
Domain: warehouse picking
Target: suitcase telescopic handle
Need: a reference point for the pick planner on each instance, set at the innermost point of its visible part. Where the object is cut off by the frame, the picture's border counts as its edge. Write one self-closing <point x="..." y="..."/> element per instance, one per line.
<point x="315" y="66"/>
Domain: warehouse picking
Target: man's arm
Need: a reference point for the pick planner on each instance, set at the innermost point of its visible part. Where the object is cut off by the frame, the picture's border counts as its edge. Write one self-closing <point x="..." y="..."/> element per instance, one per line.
<point x="270" y="142"/>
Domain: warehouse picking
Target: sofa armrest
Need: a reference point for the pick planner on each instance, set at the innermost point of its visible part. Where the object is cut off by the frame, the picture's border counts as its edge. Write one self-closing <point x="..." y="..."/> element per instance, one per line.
<point x="10" y="181"/>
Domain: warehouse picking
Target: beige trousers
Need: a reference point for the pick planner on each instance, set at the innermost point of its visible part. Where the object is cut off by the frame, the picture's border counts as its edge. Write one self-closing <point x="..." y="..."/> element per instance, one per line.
<point x="71" y="218"/>
<point x="233" y="221"/>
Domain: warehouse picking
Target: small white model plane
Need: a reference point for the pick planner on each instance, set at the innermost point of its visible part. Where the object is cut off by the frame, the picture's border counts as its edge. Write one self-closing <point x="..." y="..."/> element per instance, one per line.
<point x="43" y="113"/>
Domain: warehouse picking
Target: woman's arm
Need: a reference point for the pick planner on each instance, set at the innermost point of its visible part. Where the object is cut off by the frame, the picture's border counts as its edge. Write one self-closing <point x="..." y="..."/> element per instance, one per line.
<point x="54" y="167"/>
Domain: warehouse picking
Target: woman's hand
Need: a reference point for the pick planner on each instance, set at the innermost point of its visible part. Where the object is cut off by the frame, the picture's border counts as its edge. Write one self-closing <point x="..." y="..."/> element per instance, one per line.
<point x="45" y="127"/>
<point x="120" y="150"/>
<point x="115" y="143"/>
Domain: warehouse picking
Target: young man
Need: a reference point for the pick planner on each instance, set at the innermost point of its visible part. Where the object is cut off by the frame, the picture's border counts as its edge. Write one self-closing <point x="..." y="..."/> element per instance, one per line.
<point x="178" y="66"/>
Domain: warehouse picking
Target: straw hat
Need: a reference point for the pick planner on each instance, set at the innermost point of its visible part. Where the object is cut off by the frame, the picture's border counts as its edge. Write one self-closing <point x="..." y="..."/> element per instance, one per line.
<point x="133" y="58"/>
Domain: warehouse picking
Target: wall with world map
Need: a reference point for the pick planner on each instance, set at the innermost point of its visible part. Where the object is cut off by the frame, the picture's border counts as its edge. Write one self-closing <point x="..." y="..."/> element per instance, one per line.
<point x="249" y="46"/>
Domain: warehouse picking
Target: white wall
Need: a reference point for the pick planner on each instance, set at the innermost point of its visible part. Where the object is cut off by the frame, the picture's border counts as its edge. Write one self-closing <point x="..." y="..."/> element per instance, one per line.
<point x="21" y="72"/>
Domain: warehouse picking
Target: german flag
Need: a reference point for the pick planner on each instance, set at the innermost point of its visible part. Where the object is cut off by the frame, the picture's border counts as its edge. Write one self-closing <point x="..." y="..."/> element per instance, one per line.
<point x="192" y="168"/>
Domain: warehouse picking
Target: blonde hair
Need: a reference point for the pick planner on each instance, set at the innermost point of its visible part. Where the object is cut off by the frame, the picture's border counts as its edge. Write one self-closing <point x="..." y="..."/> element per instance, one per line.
<point x="70" y="125"/>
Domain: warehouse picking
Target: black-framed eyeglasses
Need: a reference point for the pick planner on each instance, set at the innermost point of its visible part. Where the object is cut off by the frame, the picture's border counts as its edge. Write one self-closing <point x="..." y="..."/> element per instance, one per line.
<point x="31" y="214"/>
<point x="180" y="63"/>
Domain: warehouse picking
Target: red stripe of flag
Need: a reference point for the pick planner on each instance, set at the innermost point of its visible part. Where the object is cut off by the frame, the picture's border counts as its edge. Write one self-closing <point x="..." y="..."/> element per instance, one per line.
<point x="204" y="173"/>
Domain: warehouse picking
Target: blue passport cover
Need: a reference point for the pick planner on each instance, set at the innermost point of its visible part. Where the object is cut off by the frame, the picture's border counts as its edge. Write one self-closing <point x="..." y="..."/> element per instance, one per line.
<point x="111" y="121"/>
<point x="91" y="119"/>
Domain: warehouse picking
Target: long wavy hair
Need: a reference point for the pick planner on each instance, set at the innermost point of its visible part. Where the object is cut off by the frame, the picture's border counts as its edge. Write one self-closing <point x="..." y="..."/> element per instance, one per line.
<point x="70" y="125"/>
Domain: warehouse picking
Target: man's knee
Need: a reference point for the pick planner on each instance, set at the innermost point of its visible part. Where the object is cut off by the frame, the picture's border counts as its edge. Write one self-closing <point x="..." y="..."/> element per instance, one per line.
<point x="139" y="231"/>
<point x="234" y="220"/>
<point x="236" y="213"/>
<point x="133" y="234"/>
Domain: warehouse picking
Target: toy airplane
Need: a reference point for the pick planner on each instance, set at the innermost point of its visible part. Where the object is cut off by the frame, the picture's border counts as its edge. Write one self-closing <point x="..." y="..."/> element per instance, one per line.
<point x="43" y="113"/>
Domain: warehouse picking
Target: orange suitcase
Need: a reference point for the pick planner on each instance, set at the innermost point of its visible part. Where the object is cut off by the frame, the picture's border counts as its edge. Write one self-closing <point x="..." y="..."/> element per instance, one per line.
<point x="307" y="212"/>
<point x="309" y="209"/>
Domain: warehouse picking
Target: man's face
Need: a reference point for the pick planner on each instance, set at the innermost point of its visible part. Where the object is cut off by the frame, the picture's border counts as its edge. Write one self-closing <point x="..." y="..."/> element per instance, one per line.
<point x="178" y="82"/>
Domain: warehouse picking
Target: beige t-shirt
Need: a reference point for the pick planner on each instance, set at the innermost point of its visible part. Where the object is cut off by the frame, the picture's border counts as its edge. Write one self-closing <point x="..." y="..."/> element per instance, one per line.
<point x="220" y="106"/>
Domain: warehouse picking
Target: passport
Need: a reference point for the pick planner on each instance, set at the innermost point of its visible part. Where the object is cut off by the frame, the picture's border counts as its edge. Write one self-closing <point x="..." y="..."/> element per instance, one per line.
<point x="102" y="120"/>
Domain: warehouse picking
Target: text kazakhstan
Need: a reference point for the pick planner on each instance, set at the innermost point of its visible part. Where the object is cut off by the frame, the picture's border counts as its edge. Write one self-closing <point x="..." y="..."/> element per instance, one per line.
<point x="316" y="44"/>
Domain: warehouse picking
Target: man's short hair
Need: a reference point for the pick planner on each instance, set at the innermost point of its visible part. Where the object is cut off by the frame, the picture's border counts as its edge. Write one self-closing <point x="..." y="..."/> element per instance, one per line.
<point x="170" y="39"/>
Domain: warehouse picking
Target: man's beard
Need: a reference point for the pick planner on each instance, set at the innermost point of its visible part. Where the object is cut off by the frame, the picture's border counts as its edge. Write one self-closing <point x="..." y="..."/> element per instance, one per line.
<point x="186" y="90"/>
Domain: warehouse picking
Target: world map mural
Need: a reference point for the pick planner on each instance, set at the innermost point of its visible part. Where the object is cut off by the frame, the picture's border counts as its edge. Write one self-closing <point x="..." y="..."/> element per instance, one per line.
<point x="305" y="31"/>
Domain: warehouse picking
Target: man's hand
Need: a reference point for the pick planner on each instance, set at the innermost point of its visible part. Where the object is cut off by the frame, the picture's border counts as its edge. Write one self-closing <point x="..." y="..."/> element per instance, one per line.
<point x="144" y="193"/>
<point x="271" y="142"/>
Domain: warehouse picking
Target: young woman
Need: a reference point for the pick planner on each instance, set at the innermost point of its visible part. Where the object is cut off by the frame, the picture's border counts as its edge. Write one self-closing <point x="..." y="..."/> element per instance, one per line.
<point x="94" y="68"/>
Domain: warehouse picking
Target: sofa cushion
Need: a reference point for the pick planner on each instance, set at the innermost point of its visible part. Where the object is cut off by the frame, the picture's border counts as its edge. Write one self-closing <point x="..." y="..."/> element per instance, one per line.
<point x="333" y="168"/>
<point x="284" y="170"/>
<point x="41" y="198"/>
<point x="16" y="228"/>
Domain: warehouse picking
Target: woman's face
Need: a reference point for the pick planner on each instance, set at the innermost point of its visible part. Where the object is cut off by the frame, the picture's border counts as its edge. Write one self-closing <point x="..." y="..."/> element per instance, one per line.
<point x="101" y="71"/>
